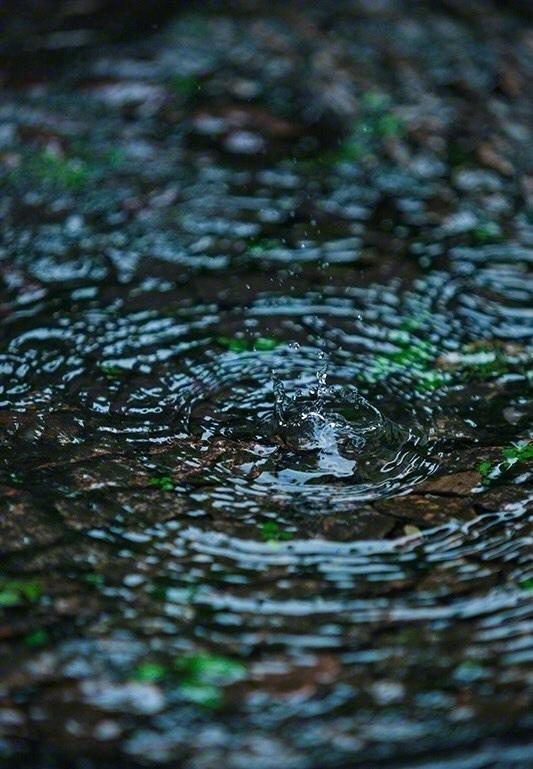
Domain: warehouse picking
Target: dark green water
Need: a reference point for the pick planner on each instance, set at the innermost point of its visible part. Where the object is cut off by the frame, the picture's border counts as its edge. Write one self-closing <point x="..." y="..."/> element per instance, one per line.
<point x="264" y="396"/>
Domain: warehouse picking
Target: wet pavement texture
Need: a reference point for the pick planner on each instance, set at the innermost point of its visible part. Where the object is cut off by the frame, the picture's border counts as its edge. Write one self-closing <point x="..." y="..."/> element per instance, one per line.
<point x="265" y="361"/>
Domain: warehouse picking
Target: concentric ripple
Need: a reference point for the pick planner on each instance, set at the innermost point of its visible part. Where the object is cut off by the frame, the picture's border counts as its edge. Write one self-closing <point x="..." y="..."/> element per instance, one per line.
<point x="307" y="401"/>
<point x="313" y="403"/>
<point x="310" y="435"/>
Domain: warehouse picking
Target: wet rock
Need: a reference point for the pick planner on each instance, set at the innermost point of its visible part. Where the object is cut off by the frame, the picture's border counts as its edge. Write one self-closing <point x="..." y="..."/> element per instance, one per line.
<point x="134" y="696"/>
<point x="455" y="485"/>
<point x="499" y="498"/>
<point x="359" y="525"/>
<point x="121" y="94"/>
<point x="32" y="426"/>
<point x="128" y="508"/>
<point x="251" y="119"/>
<point x="298" y="684"/>
<point x="107" y="473"/>
<point x="428" y="509"/>
<point x="24" y="523"/>
<point x="63" y="556"/>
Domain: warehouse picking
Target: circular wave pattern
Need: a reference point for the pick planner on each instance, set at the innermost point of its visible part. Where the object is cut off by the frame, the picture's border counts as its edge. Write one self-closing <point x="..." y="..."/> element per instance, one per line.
<point x="310" y="436"/>
<point x="321" y="399"/>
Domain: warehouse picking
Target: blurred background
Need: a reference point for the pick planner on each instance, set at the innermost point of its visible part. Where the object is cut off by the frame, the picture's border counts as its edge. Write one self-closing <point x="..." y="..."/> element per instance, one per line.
<point x="31" y="26"/>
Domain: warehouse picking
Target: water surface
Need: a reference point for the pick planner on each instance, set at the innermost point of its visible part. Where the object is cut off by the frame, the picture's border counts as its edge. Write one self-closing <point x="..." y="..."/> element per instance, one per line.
<point x="264" y="395"/>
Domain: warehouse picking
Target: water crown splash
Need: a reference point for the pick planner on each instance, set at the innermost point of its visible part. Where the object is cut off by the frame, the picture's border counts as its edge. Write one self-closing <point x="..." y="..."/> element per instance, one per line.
<point x="307" y="421"/>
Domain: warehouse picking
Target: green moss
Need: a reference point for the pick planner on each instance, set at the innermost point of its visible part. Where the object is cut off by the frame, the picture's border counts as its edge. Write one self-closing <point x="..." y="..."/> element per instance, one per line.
<point x="518" y="452"/>
<point x="36" y="639"/>
<point x="388" y="125"/>
<point x="163" y="482"/>
<point x="376" y="124"/>
<point x="271" y="532"/>
<point x="184" y="85"/>
<point x="204" y="675"/>
<point x="96" y="580"/>
<point x="352" y="149"/>
<point x="262" y="246"/>
<point x="486" y="232"/>
<point x="150" y="671"/>
<point x="160" y="592"/>
<point x="210" y="669"/>
<point x="414" y="355"/>
<point x="206" y="695"/>
<point x="431" y="380"/>
<point x="485" y="469"/>
<point x="375" y="101"/>
<point x="114" y="158"/>
<point x="521" y="452"/>
<point x="413" y="324"/>
<point x="240" y="344"/>
<point x="18" y="593"/>
<point x="486" y="370"/>
<point x="234" y="344"/>
<point x="69" y="173"/>
<point x="201" y="677"/>
<point x="97" y="158"/>
<point x="415" y="358"/>
<point x="265" y="344"/>
<point x="477" y="362"/>
<point x="484" y="361"/>
<point x="111" y="372"/>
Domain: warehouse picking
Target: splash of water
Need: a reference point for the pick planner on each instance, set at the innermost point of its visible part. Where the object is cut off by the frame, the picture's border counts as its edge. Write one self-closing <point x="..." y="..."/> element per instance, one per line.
<point x="309" y="419"/>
